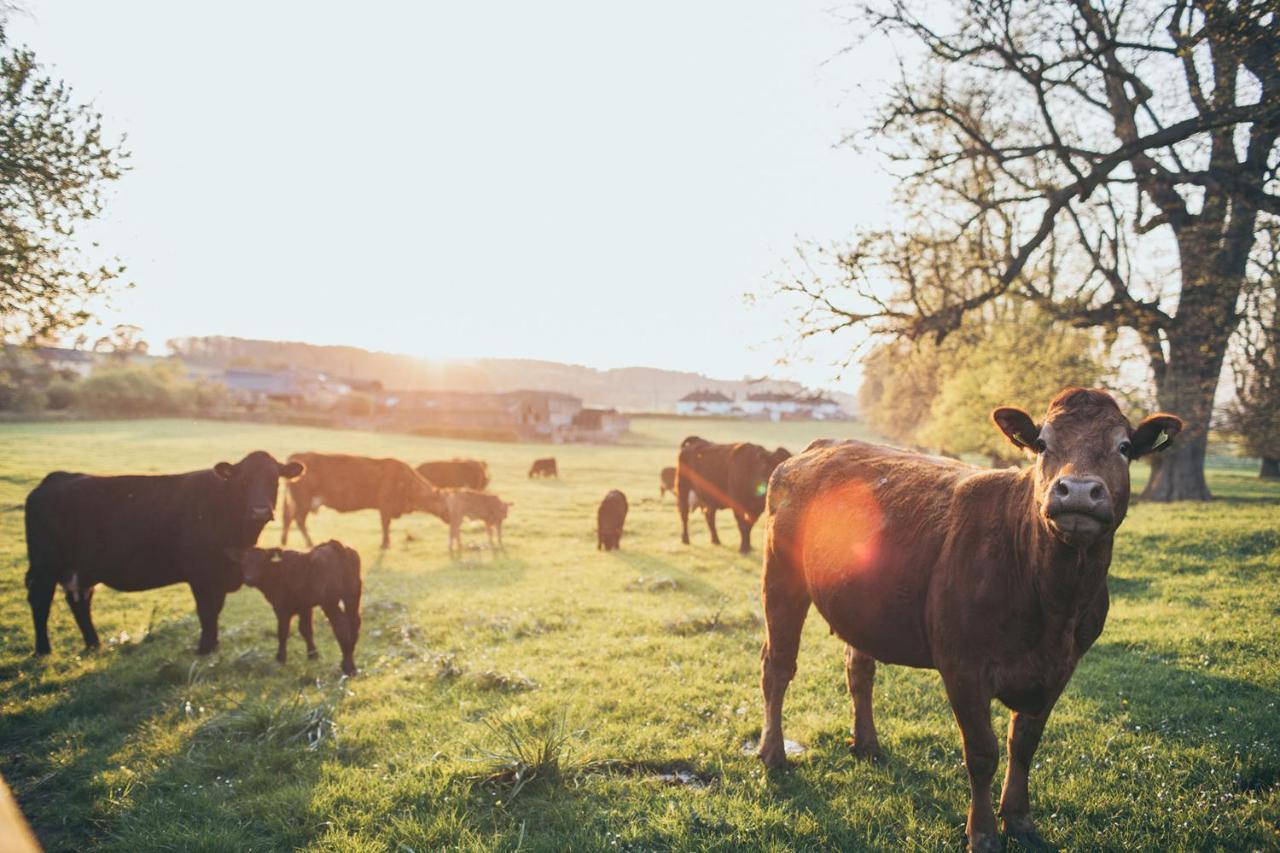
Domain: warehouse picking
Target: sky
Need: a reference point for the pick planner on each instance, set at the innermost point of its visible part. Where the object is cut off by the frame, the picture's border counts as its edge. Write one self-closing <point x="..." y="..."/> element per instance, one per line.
<point x="589" y="182"/>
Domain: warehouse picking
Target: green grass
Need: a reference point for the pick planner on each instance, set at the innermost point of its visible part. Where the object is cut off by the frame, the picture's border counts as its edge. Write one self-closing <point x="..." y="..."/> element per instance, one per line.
<point x="561" y="698"/>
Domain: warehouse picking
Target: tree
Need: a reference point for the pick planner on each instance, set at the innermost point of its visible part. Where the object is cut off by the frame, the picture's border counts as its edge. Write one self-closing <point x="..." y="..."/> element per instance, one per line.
<point x="54" y="168"/>
<point x="1058" y="151"/>
<point x="1254" y="415"/>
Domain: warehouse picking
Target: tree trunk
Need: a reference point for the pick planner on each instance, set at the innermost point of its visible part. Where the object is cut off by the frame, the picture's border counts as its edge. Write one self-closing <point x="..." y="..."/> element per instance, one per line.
<point x="1270" y="468"/>
<point x="1212" y="275"/>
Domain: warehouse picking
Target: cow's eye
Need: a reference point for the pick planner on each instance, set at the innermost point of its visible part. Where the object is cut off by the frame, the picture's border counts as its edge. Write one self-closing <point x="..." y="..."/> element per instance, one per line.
<point x="1125" y="447"/>
<point x="1040" y="446"/>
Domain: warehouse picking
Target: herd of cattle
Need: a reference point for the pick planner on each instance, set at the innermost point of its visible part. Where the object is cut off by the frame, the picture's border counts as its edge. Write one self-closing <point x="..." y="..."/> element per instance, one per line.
<point x="202" y="528"/>
<point x="995" y="578"/>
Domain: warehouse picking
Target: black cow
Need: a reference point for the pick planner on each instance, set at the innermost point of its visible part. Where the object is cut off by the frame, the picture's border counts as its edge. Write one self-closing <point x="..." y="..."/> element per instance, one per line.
<point x="142" y="532"/>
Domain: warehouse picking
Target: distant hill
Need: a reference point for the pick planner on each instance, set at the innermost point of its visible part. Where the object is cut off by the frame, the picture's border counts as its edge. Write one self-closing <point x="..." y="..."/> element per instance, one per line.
<point x="629" y="388"/>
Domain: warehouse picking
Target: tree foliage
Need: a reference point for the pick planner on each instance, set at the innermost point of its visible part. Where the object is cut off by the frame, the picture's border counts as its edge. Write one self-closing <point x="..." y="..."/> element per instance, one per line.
<point x="939" y="396"/>
<point x="1064" y="153"/>
<point x="54" y="168"/>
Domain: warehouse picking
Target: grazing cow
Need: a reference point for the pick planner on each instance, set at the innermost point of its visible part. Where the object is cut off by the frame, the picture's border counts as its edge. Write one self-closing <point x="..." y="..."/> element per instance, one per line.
<point x="142" y="532"/>
<point x="349" y="483"/>
<point x="610" y="518"/>
<point x="724" y="476"/>
<point x="544" y="468"/>
<point x="294" y="583"/>
<point x="668" y="482"/>
<point x="456" y="474"/>
<point x="995" y="578"/>
<point x="461" y="504"/>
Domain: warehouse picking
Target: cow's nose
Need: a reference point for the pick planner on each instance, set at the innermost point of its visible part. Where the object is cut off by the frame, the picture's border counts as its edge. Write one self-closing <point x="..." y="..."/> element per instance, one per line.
<point x="262" y="512"/>
<point x="1086" y="495"/>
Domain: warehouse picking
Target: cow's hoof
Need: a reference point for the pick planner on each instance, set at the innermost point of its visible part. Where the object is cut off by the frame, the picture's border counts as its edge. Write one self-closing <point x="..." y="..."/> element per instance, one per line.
<point x="206" y="650"/>
<point x="1023" y="828"/>
<point x="869" y="751"/>
<point x="774" y="759"/>
<point x="981" y="842"/>
<point x="349" y="670"/>
<point x="313" y="654"/>
<point x="43" y="652"/>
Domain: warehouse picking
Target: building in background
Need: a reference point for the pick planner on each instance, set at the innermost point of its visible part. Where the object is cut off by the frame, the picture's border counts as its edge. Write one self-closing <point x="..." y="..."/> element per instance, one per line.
<point x="706" y="403"/>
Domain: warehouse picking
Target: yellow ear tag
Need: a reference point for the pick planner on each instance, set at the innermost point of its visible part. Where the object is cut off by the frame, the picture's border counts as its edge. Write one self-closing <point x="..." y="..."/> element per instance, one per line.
<point x="277" y="558"/>
<point x="1160" y="439"/>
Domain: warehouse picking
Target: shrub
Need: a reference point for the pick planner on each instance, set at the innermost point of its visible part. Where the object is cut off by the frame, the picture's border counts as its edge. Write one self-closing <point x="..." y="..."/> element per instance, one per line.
<point x="156" y="389"/>
<point x="60" y="395"/>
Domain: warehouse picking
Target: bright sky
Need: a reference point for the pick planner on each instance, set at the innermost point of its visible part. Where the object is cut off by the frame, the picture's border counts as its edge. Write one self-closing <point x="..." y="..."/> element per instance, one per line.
<point x="587" y="182"/>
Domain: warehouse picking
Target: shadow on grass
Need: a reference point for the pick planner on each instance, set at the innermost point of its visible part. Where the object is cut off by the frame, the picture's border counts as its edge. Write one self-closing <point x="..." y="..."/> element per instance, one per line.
<point x="648" y="565"/>
<point x="86" y="768"/>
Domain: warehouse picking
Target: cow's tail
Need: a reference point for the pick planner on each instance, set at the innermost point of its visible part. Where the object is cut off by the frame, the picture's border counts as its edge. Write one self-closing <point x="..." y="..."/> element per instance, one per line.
<point x="352" y="589"/>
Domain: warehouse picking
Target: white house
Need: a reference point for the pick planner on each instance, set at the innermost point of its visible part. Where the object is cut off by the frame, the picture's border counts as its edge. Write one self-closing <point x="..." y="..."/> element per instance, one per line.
<point x="705" y="403"/>
<point x="771" y="405"/>
<point x="820" y="407"/>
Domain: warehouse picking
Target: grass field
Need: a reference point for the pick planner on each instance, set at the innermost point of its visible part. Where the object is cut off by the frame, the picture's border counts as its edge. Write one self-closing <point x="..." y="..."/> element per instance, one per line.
<point x="560" y="698"/>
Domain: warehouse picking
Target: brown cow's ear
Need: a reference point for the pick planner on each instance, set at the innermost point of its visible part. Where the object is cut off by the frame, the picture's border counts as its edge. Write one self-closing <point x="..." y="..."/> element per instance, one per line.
<point x="224" y="470"/>
<point x="1017" y="426"/>
<point x="1153" y="434"/>
<point x="292" y="470"/>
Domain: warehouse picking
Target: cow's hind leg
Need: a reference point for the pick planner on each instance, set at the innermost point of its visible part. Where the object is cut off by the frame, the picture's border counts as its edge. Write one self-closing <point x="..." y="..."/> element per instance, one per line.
<point x="40" y="590"/>
<point x="307" y="630"/>
<point x="860" y="675"/>
<point x="80" y="600"/>
<point x="710" y="515"/>
<point x="786" y="604"/>
<point x="341" y="627"/>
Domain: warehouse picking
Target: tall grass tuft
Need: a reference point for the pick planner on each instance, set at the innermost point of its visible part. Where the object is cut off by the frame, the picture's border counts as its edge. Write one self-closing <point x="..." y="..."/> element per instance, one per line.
<point x="280" y="720"/>
<point x="529" y="752"/>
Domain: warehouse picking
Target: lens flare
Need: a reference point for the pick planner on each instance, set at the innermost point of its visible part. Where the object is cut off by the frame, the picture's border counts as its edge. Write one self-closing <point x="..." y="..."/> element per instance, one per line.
<point x="840" y="532"/>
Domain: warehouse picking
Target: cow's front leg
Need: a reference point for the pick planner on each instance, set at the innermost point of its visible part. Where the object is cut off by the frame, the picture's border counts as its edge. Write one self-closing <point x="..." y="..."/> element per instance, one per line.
<point x="386" y="530"/>
<point x="744" y="530"/>
<point x="209" y="601"/>
<point x="1015" y="804"/>
<point x="971" y="703"/>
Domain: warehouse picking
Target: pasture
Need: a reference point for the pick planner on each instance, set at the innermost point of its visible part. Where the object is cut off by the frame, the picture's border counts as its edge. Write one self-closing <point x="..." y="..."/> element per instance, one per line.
<point x="561" y="698"/>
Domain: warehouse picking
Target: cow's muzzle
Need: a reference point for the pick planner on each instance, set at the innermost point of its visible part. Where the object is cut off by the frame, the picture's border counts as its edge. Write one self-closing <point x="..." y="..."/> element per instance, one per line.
<point x="262" y="513"/>
<point x="1079" y="508"/>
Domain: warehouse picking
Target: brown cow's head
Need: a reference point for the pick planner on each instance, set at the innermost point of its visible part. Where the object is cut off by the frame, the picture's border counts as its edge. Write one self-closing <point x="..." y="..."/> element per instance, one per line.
<point x="255" y="484"/>
<point x="426" y="497"/>
<point x="1083" y="450"/>
<point x="258" y="563"/>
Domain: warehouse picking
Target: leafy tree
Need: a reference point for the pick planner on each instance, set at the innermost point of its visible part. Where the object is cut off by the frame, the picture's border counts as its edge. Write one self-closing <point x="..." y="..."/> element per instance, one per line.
<point x="54" y="168"/>
<point x="939" y="396"/>
<point x="1061" y="152"/>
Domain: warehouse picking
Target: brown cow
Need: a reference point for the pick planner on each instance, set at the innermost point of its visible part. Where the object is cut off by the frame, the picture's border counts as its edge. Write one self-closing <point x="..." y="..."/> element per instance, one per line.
<point x="667" y="481"/>
<point x="610" y="518"/>
<point x="545" y="467"/>
<point x="461" y="504"/>
<point x="349" y="483"/>
<point x="997" y="579"/>
<point x="456" y="474"/>
<point x="295" y="583"/>
<point x="724" y="476"/>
